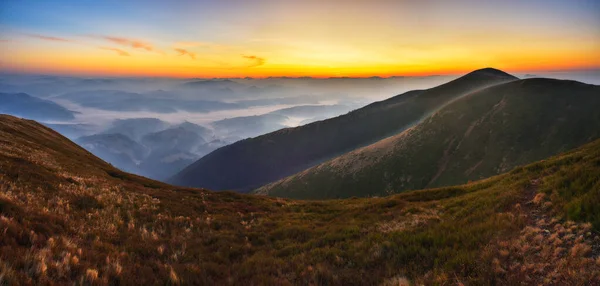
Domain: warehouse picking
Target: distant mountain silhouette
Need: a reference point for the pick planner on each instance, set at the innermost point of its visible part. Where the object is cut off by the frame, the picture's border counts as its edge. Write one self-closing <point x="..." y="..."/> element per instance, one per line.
<point x="250" y="126"/>
<point x="149" y="146"/>
<point x="136" y="128"/>
<point x="27" y="106"/>
<point x="73" y="130"/>
<point x="250" y="163"/>
<point x="173" y="138"/>
<point x="116" y="100"/>
<point x="485" y="133"/>
<point x="120" y="150"/>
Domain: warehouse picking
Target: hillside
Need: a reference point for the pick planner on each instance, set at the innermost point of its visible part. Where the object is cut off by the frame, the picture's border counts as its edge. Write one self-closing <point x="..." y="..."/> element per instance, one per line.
<point x="67" y="217"/>
<point x="480" y="135"/>
<point x="253" y="162"/>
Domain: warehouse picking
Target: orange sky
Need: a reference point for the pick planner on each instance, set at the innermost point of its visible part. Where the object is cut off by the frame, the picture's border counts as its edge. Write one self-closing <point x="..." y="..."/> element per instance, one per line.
<point x="289" y="38"/>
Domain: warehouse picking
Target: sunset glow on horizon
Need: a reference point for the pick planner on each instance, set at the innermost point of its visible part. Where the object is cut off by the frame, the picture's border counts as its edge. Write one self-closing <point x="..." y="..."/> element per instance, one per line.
<point x="296" y="38"/>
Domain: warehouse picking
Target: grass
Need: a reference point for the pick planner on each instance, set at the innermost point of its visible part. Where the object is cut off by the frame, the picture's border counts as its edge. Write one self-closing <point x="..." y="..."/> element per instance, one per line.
<point x="67" y="217"/>
<point x="483" y="134"/>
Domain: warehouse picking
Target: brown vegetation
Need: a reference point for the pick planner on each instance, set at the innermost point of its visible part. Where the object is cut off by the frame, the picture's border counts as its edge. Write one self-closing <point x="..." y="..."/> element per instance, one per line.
<point x="66" y="217"/>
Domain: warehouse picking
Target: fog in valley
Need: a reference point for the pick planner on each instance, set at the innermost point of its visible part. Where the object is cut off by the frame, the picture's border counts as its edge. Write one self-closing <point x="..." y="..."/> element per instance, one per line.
<point x="155" y="127"/>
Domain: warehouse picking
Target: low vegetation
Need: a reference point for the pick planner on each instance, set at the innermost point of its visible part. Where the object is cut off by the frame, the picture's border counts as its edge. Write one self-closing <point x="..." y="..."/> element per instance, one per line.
<point x="67" y="217"/>
<point x="483" y="134"/>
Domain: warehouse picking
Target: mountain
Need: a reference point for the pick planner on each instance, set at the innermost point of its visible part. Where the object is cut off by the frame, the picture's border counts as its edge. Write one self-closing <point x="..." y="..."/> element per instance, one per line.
<point x="149" y="146"/>
<point x="314" y="112"/>
<point x="171" y="150"/>
<point x="69" y="218"/>
<point x="202" y="131"/>
<point x="27" y="106"/>
<point x="136" y="128"/>
<point x="117" y="100"/>
<point x="73" y="130"/>
<point x="249" y="126"/>
<point x="213" y="84"/>
<point x="118" y="149"/>
<point x="178" y="138"/>
<point x="161" y="164"/>
<point x="251" y="163"/>
<point x="482" y="134"/>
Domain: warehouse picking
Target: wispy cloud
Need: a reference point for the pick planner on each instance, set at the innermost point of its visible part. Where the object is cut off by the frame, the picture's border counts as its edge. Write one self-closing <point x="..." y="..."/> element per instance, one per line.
<point x="204" y="45"/>
<point x="48" y="38"/>
<point x="184" y="52"/>
<point x="118" y="51"/>
<point x="191" y="44"/>
<point x="132" y="43"/>
<point x="257" y="61"/>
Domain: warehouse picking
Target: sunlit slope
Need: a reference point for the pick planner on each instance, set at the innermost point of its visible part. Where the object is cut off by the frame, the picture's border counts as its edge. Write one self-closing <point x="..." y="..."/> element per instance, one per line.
<point x="483" y="134"/>
<point x="67" y="217"/>
<point x="257" y="161"/>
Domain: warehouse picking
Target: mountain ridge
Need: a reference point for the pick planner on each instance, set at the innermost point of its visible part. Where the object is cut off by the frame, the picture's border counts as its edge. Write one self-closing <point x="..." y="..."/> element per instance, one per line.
<point x="253" y="162"/>
<point x="482" y="134"/>
<point x="28" y="106"/>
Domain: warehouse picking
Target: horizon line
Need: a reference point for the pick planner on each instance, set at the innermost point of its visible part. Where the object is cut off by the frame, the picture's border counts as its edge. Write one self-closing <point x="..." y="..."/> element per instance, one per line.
<point x="74" y="75"/>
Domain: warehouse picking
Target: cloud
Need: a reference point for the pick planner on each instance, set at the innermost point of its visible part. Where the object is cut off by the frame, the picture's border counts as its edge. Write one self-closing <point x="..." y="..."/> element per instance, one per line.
<point x="48" y="38"/>
<point x="136" y="44"/>
<point x="204" y="45"/>
<point x="258" y="61"/>
<point x="119" y="51"/>
<point x="191" y="44"/>
<point x="183" y="52"/>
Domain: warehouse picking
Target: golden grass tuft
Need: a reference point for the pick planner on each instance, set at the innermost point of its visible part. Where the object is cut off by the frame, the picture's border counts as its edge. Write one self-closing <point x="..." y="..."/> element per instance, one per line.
<point x="173" y="278"/>
<point x="396" y="281"/>
<point x="539" y="198"/>
<point x="91" y="275"/>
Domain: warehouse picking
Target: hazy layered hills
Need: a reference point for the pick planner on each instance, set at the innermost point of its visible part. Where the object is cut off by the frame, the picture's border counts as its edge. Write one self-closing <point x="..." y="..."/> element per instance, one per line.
<point x="117" y="148"/>
<point x="136" y="128"/>
<point x="25" y="105"/>
<point x="149" y="146"/>
<point x="247" y="126"/>
<point x="312" y="111"/>
<point x="485" y="133"/>
<point x="69" y="218"/>
<point x="253" y="162"/>
<point x="116" y="100"/>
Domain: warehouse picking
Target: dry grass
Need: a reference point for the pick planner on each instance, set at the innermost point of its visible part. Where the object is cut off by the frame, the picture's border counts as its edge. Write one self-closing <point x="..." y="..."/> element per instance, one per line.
<point x="68" y="218"/>
<point x="546" y="252"/>
<point x="410" y="219"/>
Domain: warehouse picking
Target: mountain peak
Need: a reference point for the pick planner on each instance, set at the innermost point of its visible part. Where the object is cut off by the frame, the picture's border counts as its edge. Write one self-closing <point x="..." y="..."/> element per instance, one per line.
<point x="490" y="72"/>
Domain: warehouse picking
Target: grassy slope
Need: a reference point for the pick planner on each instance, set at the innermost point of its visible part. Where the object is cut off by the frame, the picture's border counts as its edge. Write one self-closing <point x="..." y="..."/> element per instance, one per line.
<point x="66" y="216"/>
<point x="483" y="134"/>
<point x="253" y="162"/>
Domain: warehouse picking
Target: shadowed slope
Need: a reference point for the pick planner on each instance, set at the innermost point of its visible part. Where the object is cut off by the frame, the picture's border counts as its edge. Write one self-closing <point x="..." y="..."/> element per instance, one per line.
<point x="483" y="134"/>
<point x="256" y="161"/>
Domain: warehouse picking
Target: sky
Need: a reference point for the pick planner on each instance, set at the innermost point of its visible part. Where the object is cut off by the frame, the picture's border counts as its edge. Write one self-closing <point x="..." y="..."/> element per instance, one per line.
<point x="262" y="38"/>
